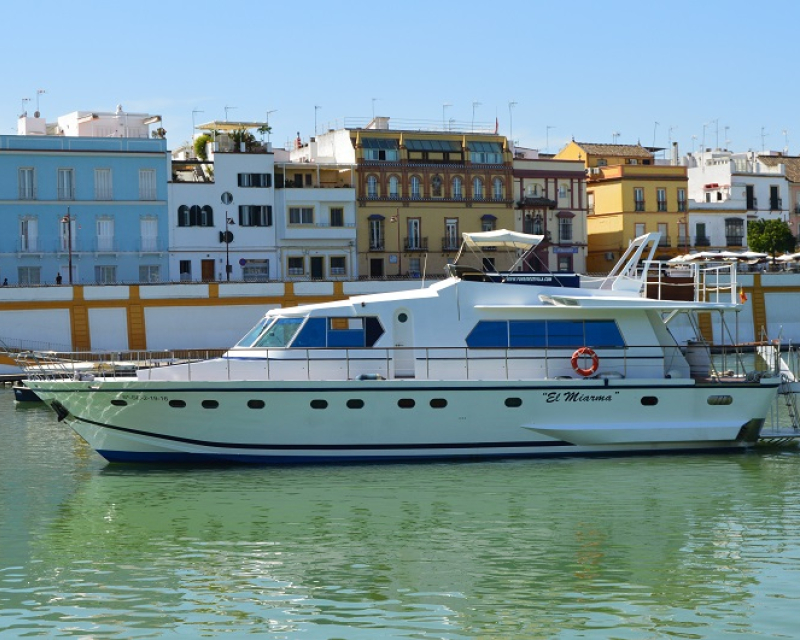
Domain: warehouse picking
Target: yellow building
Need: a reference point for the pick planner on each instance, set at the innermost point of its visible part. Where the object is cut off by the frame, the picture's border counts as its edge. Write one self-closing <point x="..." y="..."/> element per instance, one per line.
<point x="417" y="191"/>
<point x="628" y="194"/>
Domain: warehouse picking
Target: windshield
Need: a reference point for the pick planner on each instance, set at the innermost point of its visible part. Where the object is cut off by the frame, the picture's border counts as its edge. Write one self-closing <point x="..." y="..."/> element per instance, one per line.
<point x="247" y="340"/>
<point x="279" y="333"/>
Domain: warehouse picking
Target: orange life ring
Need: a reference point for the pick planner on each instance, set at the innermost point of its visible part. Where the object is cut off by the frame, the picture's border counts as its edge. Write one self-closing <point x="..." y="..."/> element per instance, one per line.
<point x="585" y="351"/>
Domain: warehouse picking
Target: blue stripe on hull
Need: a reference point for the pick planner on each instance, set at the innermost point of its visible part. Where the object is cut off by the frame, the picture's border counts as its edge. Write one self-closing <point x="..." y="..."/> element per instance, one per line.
<point x="226" y="459"/>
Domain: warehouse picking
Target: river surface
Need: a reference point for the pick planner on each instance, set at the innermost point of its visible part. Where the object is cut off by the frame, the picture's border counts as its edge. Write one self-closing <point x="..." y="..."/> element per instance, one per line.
<point x="638" y="547"/>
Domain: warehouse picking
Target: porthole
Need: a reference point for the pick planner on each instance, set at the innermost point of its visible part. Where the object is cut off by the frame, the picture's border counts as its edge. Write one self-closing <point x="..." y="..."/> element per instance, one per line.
<point x="355" y="403"/>
<point x="720" y="400"/>
<point x="319" y="404"/>
<point x="406" y="403"/>
<point x="209" y="404"/>
<point x="178" y="404"/>
<point x="402" y="317"/>
<point x="649" y="401"/>
<point x="255" y="404"/>
<point x="119" y="403"/>
<point x="438" y="403"/>
<point x="513" y="402"/>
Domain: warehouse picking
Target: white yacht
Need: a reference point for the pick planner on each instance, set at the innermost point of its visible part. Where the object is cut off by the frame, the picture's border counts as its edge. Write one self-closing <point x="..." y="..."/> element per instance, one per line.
<point x="482" y="364"/>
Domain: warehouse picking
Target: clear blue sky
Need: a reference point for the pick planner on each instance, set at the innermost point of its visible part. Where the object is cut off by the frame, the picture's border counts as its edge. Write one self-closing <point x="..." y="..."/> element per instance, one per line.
<point x="575" y="69"/>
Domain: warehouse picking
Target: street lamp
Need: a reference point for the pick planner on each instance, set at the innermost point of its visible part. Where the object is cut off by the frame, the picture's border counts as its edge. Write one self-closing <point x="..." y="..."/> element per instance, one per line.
<point x="67" y="219"/>
<point x="228" y="238"/>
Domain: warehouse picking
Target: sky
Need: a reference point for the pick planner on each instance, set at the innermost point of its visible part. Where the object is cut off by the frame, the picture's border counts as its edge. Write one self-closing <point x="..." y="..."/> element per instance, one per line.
<point x="700" y="73"/>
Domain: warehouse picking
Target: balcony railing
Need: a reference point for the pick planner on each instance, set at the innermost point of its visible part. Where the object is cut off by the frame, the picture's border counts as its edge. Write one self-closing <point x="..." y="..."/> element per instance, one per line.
<point x="147" y="194"/>
<point x="662" y="206"/>
<point x="734" y="241"/>
<point x="450" y="244"/>
<point x="639" y="205"/>
<point x="752" y="204"/>
<point x="103" y="194"/>
<point x="681" y="205"/>
<point x="702" y="241"/>
<point x="27" y="193"/>
<point x="376" y="245"/>
<point x="797" y="209"/>
<point x="664" y="241"/>
<point x="775" y="204"/>
<point x="66" y="193"/>
<point x="683" y="241"/>
<point x="415" y="243"/>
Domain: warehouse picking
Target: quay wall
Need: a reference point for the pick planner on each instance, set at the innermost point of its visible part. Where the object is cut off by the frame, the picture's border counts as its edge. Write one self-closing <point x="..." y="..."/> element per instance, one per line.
<point x="215" y="315"/>
<point x="154" y="317"/>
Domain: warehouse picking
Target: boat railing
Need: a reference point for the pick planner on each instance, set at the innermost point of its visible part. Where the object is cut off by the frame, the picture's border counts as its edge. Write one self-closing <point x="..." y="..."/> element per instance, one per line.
<point x="709" y="283"/>
<point x="463" y="363"/>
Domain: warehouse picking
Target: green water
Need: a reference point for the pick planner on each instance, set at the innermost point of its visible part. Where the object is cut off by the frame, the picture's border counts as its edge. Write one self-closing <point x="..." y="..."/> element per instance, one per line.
<point x="639" y="547"/>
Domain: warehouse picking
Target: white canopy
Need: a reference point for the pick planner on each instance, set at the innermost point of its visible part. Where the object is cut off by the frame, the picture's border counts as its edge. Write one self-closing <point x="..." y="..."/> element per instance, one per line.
<point x="501" y="238"/>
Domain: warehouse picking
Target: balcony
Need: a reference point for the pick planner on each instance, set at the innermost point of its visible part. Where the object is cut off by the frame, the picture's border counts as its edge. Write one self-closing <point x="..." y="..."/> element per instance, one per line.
<point x="797" y="209"/>
<point x="681" y="205"/>
<point x="662" y="206"/>
<point x="450" y="244"/>
<point x="752" y="204"/>
<point x="683" y="241"/>
<point x="536" y="202"/>
<point x="377" y="245"/>
<point x="66" y="193"/>
<point x="664" y="241"/>
<point x="702" y="241"/>
<point x="775" y="204"/>
<point x="415" y="243"/>
<point x="638" y="205"/>
<point x="103" y="194"/>
<point x="734" y="241"/>
<point x="27" y="193"/>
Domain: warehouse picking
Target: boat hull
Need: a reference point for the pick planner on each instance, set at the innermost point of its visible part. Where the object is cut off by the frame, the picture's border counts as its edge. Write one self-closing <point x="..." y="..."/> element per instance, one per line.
<point x="368" y="421"/>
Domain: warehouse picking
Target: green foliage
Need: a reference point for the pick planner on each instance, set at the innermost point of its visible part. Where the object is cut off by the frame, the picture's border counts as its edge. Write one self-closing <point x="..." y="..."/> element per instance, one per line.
<point x="770" y="236"/>
<point x="200" y="146"/>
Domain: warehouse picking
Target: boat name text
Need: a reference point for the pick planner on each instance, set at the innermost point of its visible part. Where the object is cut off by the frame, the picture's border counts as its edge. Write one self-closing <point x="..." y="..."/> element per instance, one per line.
<point x="576" y="396"/>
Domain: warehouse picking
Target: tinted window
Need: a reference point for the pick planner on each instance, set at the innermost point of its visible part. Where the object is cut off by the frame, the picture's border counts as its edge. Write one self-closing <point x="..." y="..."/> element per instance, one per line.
<point x="209" y="404"/>
<point x="255" y="404"/>
<point x="178" y="404"/>
<point x="355" y="404"/>
<point x="513" y="402"/>
<point x="603" y="333"/>
<point x="406" y="403"/>
<point x="438" y="403"/>
<point x="119" y="403"/>
<point x="319" y="404"/>
<point x="311" y="335"/>
<point x="527" y="333"/>
<point x="489" y="333"/>
<point x="565" y="333"/>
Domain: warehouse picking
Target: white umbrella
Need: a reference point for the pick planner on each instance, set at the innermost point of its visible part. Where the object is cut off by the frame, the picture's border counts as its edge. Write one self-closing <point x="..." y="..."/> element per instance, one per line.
<point x="752" y="255"/>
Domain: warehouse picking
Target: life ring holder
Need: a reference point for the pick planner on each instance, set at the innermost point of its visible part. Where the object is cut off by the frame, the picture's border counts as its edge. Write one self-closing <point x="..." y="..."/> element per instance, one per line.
<point x="585" y="351"/>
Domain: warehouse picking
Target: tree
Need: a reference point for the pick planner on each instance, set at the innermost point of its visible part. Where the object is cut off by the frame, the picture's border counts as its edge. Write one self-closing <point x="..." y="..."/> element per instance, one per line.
<point x="200" y="143"/>
<point x="770" y="236"/>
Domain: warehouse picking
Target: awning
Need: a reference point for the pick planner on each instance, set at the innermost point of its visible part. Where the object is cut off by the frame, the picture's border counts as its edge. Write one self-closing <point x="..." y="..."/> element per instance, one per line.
<point x="486" y="147"/>
<point x="501" y="238"/>
<point x="376" y="216"/>
<point x="488" y="216"/>
<point x="565" y="214"/>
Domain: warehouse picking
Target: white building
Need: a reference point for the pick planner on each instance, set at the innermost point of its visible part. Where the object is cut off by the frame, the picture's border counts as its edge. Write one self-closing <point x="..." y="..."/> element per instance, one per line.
<point x="728" y="189"/>
<point x="222" y="224"/>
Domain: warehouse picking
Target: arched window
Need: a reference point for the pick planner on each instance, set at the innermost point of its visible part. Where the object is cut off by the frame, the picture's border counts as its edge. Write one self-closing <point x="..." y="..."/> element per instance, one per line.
<point x="415" y="187"/>
<point x="393" y="187"/>
<point x="457" y="188"/>
<point x="477" y="189"/>
<point x="372" y="187"/>
<point x="497" y="189"/>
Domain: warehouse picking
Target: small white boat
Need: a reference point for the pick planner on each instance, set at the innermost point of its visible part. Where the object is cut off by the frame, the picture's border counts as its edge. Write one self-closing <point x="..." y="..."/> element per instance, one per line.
<point x="482" y="364"/>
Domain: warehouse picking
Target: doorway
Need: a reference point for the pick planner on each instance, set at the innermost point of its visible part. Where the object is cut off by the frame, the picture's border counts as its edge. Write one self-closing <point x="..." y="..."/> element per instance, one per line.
<point x="376" y="267"/>
<point x="317" y="267"/>
<point x="207" y="270"/>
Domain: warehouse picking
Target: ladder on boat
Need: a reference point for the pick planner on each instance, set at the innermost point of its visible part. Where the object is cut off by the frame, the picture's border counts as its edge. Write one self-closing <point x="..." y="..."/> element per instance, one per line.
<point x="790" y="400"/>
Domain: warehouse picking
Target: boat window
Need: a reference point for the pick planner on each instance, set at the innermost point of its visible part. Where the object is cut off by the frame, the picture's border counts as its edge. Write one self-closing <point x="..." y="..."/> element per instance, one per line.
<point x="720" y="400"/>
<point x="178" y="404"/>
<point x="119" y="403"/>
<point x="311" y="335"/>
<point x="513" y="402"/>
<point x="603" y="333"/>
<point x="209" y="404"/>
<point x="338" y="333"/>
<point x="255" y="404"/>
<point x="319" y="404"/>
<point x="565" y="333"/>
<point x="280" y="333"/>
<point x="406" y="403"/>
<point x="528" y="333"/>
<point x="355" y="404"/>
<point x="438" y="403"/>
<point x="251" y="336"/>
<point x="539" y="334"/>
<point x="649" y="401"/>
<point x="489" y="333"/>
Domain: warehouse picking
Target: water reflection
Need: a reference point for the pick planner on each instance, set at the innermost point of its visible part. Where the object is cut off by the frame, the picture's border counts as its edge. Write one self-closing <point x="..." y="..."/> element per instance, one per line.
<point x="590" y="548"/>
